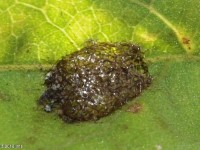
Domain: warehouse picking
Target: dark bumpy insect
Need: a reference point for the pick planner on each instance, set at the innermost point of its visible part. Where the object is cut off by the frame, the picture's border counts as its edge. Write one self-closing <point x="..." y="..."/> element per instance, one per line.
<point x="93" y="82"/>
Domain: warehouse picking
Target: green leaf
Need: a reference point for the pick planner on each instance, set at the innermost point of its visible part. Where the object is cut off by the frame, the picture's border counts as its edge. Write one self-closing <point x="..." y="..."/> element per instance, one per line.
<point x="34" y="34"/>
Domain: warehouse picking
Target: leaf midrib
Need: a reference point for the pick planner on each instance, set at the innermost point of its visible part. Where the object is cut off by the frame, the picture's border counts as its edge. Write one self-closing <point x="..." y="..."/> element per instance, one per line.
<point x="13" y="67"/>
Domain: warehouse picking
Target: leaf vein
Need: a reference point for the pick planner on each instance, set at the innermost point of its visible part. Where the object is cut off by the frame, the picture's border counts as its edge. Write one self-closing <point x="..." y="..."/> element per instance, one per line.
<point x="153" y="11"/>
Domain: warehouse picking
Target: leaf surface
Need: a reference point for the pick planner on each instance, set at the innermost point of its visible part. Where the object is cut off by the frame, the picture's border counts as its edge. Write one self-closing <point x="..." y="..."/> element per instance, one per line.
<point x="34" y="34"/>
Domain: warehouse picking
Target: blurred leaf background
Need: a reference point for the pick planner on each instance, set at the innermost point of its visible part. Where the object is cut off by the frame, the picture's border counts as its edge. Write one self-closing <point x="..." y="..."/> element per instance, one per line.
<point x="34" y="34"/>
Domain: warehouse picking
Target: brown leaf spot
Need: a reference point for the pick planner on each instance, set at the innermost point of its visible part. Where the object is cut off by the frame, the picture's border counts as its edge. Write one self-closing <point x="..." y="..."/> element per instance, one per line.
<point x="31" y="140"/>
<point x="3" y="97"/>
<point x="135" y="108"/>
<point x="162" y="123"/>
<point x="125" y="127"/>
<point x="185" y="40"/>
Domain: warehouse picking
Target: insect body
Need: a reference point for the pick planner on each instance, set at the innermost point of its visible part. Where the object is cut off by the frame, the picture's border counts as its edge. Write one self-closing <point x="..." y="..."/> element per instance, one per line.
<point x="93" y="82"/>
